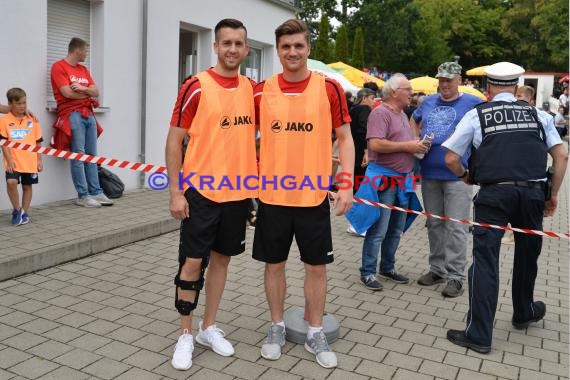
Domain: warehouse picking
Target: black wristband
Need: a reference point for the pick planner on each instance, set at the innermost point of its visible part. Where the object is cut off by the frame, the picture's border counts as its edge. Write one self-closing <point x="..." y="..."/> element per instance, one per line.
<point x="464" y="174"/>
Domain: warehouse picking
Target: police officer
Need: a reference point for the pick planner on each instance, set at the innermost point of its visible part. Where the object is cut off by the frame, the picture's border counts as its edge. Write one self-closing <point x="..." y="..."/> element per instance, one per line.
<point x="511" y="140"/>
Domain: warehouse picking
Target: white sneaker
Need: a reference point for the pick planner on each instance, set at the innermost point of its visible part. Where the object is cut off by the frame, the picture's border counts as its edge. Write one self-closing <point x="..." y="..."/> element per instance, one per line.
<point x="350" y="230"/>
<point x="87" y="202"/>
<point x="182" y="358"/>
<point x="102" y="198"/>
<point x="213" y="338"/>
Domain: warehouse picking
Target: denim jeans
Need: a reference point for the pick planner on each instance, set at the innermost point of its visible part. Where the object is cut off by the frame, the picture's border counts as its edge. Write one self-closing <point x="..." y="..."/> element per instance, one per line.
<point x="383" y="236"/>
<point x="84" y="140"/>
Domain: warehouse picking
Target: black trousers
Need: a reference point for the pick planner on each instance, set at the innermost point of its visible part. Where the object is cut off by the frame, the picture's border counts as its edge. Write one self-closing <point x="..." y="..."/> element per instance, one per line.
<point x="359" y="148"/>
<point x="501" y="204"/>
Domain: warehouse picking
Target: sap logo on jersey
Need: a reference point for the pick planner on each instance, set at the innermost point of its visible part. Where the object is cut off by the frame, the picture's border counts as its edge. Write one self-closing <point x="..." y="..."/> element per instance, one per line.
<point x="18" y="134"/>
<point x="226" y="121"/>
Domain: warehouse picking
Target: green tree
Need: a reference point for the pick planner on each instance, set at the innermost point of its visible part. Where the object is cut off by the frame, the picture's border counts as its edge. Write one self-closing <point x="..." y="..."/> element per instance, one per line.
<point x="310" y="11"/>
<point x="387" y="26"/>
<point x="430" y="45"/>
<point x="470" y="30"/>
<point x="342" y="15"/>
<point x="520" y="37"/>
<point x="322" y="49"/>
<point x="358" y="49"/>
<point x="341" y="44"/>
<point x="551" y="24"/>
<point x="535" y="34"/>
<point x="417" y="35"/>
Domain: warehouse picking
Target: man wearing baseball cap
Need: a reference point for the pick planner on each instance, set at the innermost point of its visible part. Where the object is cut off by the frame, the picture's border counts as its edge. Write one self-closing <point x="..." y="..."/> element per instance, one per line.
<point x="442" y="192"/>
<point x="511" y="141"/>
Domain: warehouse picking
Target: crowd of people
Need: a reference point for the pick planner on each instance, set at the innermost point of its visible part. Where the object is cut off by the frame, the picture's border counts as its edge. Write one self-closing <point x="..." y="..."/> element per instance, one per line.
<point x="455" y="139"/>
<point x="507" y="160"/>
<point x="471" y="83"/>
<point x="384" y="75"/>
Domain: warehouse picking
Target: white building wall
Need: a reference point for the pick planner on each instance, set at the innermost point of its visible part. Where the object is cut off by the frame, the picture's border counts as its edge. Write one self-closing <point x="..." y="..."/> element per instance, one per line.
<point x="23" y="64"/>
<point x="119" y="79"/>
<point x="117" y="69"/>
<point x="544" y="86"/>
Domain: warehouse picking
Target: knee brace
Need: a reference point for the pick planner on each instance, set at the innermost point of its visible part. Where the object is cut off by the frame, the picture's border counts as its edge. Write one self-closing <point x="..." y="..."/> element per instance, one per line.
<point x="186" y="307"/>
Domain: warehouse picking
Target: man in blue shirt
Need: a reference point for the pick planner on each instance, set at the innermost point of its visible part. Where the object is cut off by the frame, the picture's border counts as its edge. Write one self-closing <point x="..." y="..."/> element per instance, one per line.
<point x="442" y="192"/>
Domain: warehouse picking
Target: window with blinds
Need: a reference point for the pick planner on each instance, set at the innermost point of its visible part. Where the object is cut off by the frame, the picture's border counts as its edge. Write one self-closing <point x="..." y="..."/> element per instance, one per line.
<point x="65" y="19"/>
<point x="251" y="66"/>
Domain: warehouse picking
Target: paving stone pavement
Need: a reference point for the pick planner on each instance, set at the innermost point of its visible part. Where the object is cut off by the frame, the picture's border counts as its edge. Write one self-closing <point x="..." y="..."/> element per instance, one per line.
<point x="63" y="231"/>
<point x="110" y="315"/>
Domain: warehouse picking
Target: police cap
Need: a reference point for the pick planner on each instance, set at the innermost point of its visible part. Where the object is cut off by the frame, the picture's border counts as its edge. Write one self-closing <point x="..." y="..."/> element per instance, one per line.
<point x="503" y="74"/>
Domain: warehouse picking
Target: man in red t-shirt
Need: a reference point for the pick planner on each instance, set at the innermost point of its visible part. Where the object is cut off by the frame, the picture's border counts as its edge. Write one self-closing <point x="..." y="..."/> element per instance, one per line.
<point x="75" y="91"/>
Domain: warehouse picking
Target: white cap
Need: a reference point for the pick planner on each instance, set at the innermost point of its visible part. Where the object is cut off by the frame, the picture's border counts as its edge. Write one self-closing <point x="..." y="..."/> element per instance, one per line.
<point x="503" y="74"/>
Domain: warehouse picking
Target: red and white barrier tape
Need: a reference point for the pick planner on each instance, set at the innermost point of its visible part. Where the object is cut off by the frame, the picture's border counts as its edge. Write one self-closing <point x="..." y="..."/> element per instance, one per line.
<point x="161" y="169"/>
<point x="465" y="221"/>
<point x="83" y="157"/>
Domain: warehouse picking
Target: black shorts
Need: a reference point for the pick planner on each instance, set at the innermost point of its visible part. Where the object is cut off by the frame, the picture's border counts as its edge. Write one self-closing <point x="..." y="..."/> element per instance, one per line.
<point x="212" y="226"/>
<point x="23" y="178"/>
<point x="276" y="226"/>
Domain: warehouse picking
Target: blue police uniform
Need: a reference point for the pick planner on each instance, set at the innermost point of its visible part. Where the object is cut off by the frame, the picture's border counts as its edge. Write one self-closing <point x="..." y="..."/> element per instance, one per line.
<point x="511" y="171"/>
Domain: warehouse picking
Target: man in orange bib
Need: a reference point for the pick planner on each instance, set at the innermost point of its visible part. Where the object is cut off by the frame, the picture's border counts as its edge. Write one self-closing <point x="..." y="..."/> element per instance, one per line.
<point x="215" y="109"/>
<point x="297" y="113"/>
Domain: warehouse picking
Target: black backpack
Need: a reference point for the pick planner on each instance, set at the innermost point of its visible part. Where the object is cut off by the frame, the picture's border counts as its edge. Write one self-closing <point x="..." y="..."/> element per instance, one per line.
<point x="111" y="184"/>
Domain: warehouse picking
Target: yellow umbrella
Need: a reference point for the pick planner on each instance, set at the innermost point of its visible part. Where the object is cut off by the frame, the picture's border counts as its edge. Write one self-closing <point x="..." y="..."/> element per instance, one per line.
<point x="477" y="71"/>
<point x="472" y="91"/>
<point x="355" y="76"/>
<point x="427" y="85"/>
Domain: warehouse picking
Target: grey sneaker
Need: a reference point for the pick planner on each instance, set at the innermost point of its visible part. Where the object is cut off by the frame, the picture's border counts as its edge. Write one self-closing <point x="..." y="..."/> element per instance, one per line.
<point x="394" y="277"/>
<point x="430" y="279"/>
<point x="271" y="348"/>
<point x="319" y="346"/>
<point x="454" y="288"/>
<point x="102" y="198"/>
<point x="87" y="202"/>
<point x="371" y="282"/>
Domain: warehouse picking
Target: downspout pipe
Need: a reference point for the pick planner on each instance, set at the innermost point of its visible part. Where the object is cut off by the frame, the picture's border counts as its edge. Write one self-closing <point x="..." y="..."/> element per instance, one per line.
<point x="142" y="149"/>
